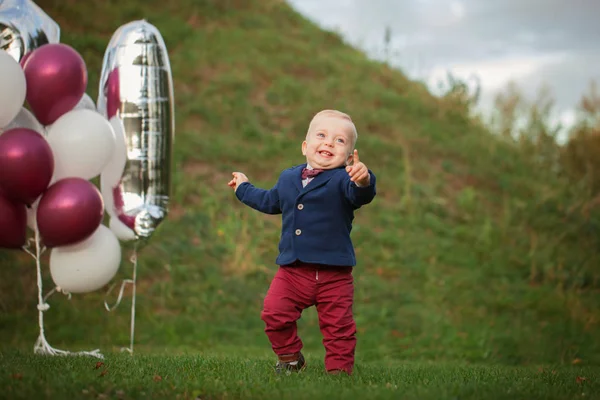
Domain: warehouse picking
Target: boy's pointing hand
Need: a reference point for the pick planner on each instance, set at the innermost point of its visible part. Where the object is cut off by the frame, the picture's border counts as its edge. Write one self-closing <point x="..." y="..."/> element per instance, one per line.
<point x="358" y="171"/>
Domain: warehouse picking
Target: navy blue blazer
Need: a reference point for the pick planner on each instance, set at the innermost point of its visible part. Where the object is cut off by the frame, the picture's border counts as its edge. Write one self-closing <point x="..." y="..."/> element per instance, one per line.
<point x="316" y="219"/>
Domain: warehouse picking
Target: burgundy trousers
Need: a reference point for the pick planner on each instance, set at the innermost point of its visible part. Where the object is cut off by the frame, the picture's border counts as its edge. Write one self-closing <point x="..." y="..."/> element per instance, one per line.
<point x="331" y="290"/>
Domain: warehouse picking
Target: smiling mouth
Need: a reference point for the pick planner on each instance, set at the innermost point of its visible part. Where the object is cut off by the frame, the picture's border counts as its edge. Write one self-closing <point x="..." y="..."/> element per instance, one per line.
<point x="325" y="153"/>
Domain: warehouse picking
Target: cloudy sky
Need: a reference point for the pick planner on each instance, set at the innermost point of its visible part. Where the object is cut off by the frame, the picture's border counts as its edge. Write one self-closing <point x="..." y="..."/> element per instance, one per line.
<point x="529" y="41"/>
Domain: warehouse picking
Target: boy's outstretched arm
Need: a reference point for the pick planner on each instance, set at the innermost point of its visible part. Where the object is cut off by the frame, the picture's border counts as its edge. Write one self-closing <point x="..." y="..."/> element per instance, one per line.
<point x="266" y="201"/>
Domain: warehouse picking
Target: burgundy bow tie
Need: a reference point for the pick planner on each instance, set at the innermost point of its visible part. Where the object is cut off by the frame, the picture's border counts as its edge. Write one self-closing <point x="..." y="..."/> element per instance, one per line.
<point x="310" y="173"/>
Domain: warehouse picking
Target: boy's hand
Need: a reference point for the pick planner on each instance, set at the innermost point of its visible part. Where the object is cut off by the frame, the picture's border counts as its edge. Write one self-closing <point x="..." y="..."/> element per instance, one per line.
<point x="238" y="179"/>
<point x="358" y="171"/>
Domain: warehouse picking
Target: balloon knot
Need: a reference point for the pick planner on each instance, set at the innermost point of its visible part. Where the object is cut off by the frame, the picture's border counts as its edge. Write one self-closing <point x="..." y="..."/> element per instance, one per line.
<point x="43" y="307"/>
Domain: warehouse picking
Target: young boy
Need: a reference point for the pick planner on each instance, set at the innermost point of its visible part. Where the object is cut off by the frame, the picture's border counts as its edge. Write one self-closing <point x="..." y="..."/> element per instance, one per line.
<point x="317" y="201"/>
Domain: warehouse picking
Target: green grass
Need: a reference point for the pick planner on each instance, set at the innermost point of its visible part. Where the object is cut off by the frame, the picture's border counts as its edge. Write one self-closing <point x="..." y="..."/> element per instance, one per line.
<point x="202" y="376"/>
<point x="468" y="254"/>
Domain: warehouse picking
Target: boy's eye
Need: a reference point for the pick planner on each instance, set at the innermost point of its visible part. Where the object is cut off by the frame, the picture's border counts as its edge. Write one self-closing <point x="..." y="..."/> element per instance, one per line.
<point x="341" y="141"/>
<point x="321" y="134"/>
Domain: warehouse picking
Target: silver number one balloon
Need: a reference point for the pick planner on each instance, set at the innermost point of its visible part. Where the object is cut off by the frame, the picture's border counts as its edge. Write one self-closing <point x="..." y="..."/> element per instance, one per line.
<point x="136" y="95"/>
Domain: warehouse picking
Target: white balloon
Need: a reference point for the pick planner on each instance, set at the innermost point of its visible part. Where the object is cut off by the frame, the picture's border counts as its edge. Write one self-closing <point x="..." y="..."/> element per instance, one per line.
<point x="113" y="171"/>
<point x="13" y="88"/>
<point x="121" y="230"/>
<point x="86" y="103"/>
<point x="88" y="265"/>
<point x="32" y="214"/>
<point x="106" y="189"/>
<point x="25" y="119"/>
<point x="82" y="143"/>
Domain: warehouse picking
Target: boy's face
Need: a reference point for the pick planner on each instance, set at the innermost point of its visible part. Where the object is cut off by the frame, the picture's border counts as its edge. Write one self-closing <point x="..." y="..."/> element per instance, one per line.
<point x="328" y="144"/>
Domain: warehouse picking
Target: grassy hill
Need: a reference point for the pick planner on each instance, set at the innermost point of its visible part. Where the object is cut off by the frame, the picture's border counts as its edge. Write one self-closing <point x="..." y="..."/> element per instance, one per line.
<point x="469" y="252"/>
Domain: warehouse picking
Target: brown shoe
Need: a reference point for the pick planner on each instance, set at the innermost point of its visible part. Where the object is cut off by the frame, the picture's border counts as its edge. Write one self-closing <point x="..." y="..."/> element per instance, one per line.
<point x="290" y="363"/>
<point x="337" y="372"/>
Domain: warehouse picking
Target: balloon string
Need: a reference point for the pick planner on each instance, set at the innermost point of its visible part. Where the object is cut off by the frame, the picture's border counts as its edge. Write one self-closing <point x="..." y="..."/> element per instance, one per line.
<point x="132" y="327"/>
<point x="57" y="289"/>
<point x="41" y="345"/>
<point x="42" y="305"/>
<point x="124" y="283"/>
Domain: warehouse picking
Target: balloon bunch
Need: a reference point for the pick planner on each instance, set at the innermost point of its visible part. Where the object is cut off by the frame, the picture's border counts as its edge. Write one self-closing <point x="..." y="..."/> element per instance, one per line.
<point x="50" y="152"/>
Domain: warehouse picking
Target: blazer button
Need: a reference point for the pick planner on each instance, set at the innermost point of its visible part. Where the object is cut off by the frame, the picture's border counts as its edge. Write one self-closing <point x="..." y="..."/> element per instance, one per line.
<point x="300" y="206"/>
<point x="298" y="232"/>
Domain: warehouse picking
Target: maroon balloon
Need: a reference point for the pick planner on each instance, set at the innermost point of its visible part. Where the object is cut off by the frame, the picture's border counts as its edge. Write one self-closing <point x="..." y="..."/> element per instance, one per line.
<point x="13" y="220"/>
<point x="56" y="78"/>
<point x="70" y="211"/>
<point x="26" y="164"/>
<point x="113" y="98"/>
<point x="24" y="59"/>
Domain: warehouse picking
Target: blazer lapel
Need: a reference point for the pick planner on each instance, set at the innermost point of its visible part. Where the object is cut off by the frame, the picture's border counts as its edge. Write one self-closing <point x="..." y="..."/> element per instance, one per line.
<point x="298" y="177"/>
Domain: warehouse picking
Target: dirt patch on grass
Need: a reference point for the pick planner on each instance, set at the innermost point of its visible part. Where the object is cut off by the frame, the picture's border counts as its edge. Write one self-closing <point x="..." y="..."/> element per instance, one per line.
<point x="176" y="211"/>
<point x="193" y="123"/>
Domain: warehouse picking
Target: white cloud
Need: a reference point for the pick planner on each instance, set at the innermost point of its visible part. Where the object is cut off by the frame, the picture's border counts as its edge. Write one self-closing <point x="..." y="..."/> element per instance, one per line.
<point x="494" y="74"/>
<point x="457" y="9"/>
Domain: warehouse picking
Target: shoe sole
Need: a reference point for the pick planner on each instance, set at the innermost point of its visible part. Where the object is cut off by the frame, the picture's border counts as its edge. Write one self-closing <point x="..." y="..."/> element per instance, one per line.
<point x="289" y="372"/>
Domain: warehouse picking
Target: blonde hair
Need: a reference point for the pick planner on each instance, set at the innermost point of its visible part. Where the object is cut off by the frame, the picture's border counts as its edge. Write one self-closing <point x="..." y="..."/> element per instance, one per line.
<point x="338" y="114"/>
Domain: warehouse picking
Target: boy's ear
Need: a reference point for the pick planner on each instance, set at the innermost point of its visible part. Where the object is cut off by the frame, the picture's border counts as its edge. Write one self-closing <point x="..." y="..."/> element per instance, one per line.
<point x="304" y="148"/>
<point x="350" y="159"/>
